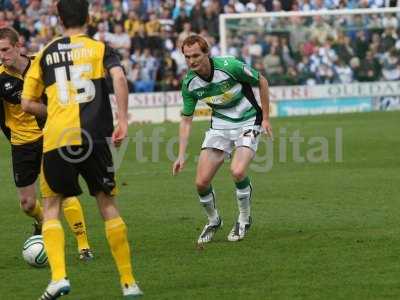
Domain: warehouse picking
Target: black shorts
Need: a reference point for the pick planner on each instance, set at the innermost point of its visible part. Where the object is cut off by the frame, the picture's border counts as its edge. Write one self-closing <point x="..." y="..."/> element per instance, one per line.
<point x="26" y="160"/>
<point x="62" y="167"/>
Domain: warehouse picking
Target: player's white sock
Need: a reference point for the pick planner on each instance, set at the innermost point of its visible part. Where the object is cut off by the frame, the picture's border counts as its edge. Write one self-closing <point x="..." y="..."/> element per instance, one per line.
<point x="243" y="196"/>
<point x="207" y="200"/>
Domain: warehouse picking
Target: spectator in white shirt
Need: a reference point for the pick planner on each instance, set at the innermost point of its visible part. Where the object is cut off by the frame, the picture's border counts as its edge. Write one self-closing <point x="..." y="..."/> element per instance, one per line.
<point x="179" y="58"/>
<point x="120" y="39"/>
<point x="390" y="21"/>
<point x="102" y="34"/>
<point x="391" y="65"/>
<point x="344" y="74"/>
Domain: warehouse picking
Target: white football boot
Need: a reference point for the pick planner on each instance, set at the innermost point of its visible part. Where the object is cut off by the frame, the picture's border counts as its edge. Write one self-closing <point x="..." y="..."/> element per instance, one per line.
<point x="239" y="231"/>
<point x="132" y="291"/>
<point x="56" y="289"/>
<point x="209" y="231"/>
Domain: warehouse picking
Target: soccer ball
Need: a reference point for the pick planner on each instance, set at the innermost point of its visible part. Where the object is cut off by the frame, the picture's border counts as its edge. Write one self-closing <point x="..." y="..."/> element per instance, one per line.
<point x="33" y="251"/>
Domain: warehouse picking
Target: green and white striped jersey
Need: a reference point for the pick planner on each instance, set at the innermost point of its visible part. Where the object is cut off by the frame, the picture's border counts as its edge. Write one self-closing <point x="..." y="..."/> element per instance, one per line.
<point x="228" y="92"/>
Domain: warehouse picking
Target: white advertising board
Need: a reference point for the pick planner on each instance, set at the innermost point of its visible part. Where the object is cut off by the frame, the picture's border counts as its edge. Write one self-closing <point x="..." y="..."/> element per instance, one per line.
<point x="166" y="106"/>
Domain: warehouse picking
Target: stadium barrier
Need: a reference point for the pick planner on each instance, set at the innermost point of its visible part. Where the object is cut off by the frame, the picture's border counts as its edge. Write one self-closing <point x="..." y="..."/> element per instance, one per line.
<point x="285" y="101"/>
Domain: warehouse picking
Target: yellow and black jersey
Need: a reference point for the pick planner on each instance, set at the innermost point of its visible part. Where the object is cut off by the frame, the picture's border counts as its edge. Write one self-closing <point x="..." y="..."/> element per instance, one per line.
<point x="21" y="128"/>
<point x="6" y="130"/>
<point x="71" y="72"/>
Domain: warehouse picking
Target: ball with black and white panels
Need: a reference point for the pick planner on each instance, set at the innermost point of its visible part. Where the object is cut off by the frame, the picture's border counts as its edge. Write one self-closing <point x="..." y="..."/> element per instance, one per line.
<point x="34" y="253"/>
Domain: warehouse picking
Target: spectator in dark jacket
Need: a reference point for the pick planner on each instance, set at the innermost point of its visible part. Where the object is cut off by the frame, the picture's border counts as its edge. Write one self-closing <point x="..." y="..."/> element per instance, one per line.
<point x="370" y="69"/>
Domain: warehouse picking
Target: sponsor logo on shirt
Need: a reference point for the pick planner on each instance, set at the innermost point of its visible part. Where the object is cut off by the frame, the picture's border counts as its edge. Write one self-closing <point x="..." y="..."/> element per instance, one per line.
<point x="8" y="86"/>
<point x="200" y="93"/>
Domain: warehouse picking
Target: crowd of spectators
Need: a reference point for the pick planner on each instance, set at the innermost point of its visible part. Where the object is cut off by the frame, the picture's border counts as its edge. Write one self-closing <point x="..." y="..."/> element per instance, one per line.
<point x="148" y="35"/>
<point x="320" y="49"/>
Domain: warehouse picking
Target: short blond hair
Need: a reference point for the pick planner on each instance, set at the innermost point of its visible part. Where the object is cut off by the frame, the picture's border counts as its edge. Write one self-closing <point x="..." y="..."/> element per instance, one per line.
<point x="9" y="33"/>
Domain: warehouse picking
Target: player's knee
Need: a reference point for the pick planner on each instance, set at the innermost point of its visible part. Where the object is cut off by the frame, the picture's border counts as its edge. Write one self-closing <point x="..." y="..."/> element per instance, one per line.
<point x="27" y="203"/>
<point x="238" y="174"/>
<point x="107" y="206"/>
<point x="202" y="185"/>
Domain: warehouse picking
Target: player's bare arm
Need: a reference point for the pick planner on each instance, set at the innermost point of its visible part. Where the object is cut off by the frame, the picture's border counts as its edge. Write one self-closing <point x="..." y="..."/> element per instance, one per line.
<point x="121" y="96"/>
<point x="185" y="128"/>
<point x="34" y="107"/>
<point x="264" y="99"/>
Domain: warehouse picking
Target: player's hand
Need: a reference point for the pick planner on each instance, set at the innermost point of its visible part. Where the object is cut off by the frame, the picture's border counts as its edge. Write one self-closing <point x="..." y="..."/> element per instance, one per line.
<point x="120" y="133"/>
<point x="178" y="166"/>
<point x="267" y="128"/>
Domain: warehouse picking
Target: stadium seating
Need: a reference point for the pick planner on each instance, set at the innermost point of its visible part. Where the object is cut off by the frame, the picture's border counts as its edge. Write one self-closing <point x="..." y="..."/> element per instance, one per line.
<point x="148" y="33"/>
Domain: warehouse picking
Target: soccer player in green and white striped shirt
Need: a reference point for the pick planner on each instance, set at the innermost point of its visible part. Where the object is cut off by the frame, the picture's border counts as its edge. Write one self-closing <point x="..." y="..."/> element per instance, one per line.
<point x="225" y="84"/>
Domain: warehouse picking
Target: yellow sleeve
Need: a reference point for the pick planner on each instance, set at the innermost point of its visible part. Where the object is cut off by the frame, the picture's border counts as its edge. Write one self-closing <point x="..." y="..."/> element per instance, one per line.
<point x="127" y="26"/>
<point x="33" y="83"/>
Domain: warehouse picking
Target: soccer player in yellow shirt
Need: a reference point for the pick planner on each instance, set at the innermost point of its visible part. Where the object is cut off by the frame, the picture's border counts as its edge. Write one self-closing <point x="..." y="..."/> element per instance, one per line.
<point x="71" y="71"/>
<point x="25" y="135"/>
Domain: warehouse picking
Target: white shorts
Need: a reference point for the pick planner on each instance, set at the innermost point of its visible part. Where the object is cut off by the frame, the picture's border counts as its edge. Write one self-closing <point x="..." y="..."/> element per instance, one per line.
<point x="229" y="139"/>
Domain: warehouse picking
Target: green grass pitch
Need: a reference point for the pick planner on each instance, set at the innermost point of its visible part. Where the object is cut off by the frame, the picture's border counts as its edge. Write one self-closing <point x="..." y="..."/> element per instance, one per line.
<point x="322" y="230"/>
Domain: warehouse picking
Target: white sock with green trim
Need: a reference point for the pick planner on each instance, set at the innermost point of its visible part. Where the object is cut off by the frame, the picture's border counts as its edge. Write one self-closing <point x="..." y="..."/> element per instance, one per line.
<point x="207" y="200"/>
<point x="243" y="196"/>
